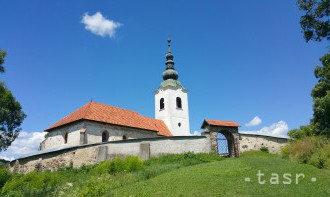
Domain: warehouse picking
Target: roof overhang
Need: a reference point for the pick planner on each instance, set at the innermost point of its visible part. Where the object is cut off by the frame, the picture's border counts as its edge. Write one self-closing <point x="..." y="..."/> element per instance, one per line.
<point x="220" y="123"/>
<point x="70" y="123"/>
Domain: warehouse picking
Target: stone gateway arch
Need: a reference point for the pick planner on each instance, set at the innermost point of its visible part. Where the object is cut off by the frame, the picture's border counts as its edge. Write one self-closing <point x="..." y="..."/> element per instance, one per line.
<point x="228" y="129"/>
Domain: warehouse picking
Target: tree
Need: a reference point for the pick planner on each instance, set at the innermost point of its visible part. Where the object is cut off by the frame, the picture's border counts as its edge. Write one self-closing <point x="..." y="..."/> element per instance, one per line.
<point x="321" y="97"/>
<point x="11" y="114"/>
<point x="11" y="117"/>
<point x="2" y="59"/>
<point x="303" y="131"/>
<point x="315" y="23"/>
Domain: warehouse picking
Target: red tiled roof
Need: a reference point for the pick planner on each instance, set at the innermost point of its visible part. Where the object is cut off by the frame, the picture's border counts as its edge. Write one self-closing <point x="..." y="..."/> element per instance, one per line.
<point x="221" y="123"/>
<point x="114" y="115"/>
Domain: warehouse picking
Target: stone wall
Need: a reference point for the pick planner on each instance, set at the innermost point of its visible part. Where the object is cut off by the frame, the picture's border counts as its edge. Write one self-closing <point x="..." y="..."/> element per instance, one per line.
<point x="144" y="148"/>
<point x="93" y="153"/>
<point x="255" y="142"/>
<point x="88" y="132"/>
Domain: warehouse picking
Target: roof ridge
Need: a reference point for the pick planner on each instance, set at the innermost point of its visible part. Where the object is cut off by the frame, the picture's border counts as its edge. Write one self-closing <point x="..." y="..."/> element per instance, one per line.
<point x="220" y="120"/>
<point x="120" y="108"/>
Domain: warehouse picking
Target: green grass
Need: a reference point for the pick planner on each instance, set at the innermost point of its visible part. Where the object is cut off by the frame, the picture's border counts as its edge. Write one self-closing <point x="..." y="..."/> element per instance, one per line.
<point x="227" y="178"/>
<point x="174" y="175"/>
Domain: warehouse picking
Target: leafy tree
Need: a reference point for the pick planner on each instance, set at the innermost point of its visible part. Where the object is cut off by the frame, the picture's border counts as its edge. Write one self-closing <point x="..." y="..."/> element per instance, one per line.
<point x="321" y="97"/>
<point x="303" y="131"/>
<point x="2" y="59"/>
<point x="11" y="114"/>
<point x="11" y="117"/>
<point x="320" y="123"/>
<point x="315" y="23"/>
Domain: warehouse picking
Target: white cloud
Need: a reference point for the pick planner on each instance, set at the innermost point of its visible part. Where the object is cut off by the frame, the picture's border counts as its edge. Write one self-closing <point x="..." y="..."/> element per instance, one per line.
<point x="25" y="143"/>
<point x="277" y="129"/>
<point x="280" y="129"/>
<point x="196" y="133"/>
<point x="100" y="25"/>
<point x="254" y="122"/>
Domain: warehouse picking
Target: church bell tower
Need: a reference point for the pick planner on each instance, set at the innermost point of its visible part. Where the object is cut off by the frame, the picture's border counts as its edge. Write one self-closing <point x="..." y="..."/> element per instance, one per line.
<point x="171" y="99"/>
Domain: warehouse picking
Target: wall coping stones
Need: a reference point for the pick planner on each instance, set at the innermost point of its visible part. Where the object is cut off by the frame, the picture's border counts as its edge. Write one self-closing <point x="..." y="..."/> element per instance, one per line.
<point x="254" y="134"/>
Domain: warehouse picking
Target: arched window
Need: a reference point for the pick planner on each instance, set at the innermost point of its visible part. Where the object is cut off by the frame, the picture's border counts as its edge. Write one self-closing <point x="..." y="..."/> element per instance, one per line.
<point x="178" y="103"/>
<point x="162" y="103"/>
<point x="65" y="138"/>
<point x="105" y="136"/>
<point x="124" y="137"/>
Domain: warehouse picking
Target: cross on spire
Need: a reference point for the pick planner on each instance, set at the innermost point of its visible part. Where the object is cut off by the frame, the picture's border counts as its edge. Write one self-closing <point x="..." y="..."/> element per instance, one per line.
<point x="169" y="42"/>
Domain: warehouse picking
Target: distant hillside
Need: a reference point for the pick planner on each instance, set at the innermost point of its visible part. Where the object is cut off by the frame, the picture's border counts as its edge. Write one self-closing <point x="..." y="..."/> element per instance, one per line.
<point x="3" y="162"/>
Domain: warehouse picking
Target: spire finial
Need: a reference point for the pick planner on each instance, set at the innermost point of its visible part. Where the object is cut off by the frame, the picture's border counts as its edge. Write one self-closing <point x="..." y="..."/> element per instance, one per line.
<point x="169" y="41"/>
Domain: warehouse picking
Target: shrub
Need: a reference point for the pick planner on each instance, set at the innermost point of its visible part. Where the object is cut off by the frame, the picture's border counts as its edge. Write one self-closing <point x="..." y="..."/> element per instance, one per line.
<point x="327" y="163"/>
<point x="264" y="149"/>
<point x="302" y="150"/>
<point x="4" y="176"/>
<point x="128" y="164"/>
<point x="321" y="157"/>
<point x="285" y="152"/>
<point x="134" y="164"/>
<point x="102" y="168"/>
<point x="32" y="184"/>
<point x="310" y="150"/>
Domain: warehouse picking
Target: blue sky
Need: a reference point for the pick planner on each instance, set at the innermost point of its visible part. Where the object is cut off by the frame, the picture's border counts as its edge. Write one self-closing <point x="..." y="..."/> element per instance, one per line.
<point x="239" y="59"/>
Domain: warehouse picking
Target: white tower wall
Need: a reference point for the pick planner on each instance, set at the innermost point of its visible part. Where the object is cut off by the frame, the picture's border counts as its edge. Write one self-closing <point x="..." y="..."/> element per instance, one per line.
<point x="176" y="119"/>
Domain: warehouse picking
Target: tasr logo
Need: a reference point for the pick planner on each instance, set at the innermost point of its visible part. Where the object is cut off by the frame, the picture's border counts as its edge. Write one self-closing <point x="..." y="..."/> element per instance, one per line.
<point x="276" y="178"/>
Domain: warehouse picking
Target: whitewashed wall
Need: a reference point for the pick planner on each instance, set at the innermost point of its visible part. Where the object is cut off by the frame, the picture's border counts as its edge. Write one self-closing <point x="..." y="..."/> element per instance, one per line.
<point x="170" y="114"/>
<point x="55" y="138"/>
<point x="92" y="132"/>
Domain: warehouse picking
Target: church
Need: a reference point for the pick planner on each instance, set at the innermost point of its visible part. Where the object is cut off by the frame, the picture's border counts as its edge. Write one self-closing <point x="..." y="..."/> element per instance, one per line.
<point x="97" y="132"/>
<point x="96" y="122"/>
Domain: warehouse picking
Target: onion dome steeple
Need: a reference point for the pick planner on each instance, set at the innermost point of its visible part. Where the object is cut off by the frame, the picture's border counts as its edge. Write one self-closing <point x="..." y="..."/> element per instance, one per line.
<point x="170" y="72"/>
<point x="170" y="76"/>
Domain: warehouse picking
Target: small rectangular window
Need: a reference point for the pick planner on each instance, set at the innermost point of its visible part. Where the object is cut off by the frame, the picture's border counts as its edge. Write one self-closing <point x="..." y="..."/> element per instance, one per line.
<point x="162" y="104"/>
<point x="178" y="103"/>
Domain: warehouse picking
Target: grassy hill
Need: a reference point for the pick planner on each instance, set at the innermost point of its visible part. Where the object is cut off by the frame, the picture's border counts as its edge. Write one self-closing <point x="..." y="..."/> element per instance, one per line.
<point x="177" y="175"/>
<point x="227" y="178"/>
